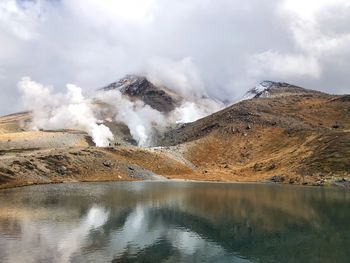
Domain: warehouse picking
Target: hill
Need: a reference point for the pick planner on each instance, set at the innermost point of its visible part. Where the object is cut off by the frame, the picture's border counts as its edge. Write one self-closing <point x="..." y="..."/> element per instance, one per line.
<point x="289" y="135"/>
<point x="283" y="134"/>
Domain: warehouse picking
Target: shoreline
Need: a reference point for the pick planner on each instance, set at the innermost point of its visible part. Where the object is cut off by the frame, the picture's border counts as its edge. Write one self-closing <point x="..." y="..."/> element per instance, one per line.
<point x="175" y="180"/>
<point x="92" y="164"/>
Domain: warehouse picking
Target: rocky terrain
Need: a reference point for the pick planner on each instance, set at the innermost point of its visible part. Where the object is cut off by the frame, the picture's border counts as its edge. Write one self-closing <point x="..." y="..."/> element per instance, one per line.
<point x="281" y="134"/>
<point x="139" y="87"/>
<point x="289" y="135"/>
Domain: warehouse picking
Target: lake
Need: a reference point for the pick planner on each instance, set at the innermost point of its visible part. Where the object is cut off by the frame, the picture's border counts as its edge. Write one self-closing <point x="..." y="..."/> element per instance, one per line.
<point x="174" y="222"/>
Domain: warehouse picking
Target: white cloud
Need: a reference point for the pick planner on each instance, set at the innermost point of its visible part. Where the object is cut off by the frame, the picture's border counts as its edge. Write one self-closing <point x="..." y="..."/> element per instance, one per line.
<point x="21" y="19"/>
<point x="308" y="10"/>
<point x="284" y="65"/>
<point x="316" y="43"/>
<point x="207" y="47"/>
<point x="109" y="10"/>
<point x="181" y="76"/>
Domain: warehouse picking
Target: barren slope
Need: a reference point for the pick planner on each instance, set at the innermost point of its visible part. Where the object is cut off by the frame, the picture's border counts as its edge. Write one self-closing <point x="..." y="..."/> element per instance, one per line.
<point x="289" y="135"/>
<point x="86" y="164"/>
<point x="300" y="137"/>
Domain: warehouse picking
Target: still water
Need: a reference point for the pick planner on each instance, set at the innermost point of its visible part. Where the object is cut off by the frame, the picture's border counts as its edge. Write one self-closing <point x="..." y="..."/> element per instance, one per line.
<point x="174" y="222"/>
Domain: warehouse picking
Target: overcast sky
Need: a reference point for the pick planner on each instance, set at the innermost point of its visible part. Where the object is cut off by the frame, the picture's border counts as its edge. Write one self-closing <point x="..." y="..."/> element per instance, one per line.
<point x="217" y="47"/>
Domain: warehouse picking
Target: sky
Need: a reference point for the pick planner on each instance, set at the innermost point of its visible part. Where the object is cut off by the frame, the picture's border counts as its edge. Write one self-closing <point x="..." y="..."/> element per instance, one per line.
<point x="218" y="48"/>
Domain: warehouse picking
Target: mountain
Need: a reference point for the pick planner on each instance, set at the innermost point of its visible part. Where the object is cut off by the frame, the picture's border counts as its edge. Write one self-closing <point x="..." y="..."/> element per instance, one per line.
<point x="139" y="87"/>
<point x="268" y="88"/>
<point x="283" y="134"/>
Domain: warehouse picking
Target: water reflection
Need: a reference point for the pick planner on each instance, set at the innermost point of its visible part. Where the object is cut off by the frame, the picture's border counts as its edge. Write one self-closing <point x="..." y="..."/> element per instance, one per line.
<point x="174" y="222"/>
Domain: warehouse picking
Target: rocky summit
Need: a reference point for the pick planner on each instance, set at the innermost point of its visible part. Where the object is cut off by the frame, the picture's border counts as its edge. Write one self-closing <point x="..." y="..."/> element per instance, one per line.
<point x="139" y="87"/>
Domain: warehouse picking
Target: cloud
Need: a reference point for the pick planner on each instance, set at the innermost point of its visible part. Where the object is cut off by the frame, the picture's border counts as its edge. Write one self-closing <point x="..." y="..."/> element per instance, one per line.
<point x="318" y="43"/>
<point x="181" y="76"/>
<point x="21" y="18"/>
<point x="308" y="10"/>
<point x="285" y="65"/>
<point x="217" y="48"/>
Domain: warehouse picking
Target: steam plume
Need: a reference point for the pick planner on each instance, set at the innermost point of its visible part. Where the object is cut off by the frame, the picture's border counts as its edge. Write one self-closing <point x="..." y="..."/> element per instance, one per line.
<point x="62" y="111"/>
<point x="140" y="118"/>
<point x="71" y="110"/>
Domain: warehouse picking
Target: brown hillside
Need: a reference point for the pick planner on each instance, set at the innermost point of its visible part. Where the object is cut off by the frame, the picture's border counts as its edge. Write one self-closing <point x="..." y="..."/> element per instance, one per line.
<point x="289" y="135"/>
<point x="300" y="137"/>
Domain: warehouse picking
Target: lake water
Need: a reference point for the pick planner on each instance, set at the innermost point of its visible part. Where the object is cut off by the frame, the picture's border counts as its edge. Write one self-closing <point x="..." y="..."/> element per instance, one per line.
<point x="174" y="222"/>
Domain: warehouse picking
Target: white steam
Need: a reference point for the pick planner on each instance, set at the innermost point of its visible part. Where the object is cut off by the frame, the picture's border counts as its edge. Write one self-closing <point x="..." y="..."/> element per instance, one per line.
<point x="143" y="121"/>
<point x="140" y="118"/>
<point x="62" y="111"/>
<point x="190" y="111"/>
<point x="71" y="110"/>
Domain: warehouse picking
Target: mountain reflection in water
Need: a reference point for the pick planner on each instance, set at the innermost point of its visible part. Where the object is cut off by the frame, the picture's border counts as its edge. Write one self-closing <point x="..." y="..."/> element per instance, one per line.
<point x="174" y="222"/>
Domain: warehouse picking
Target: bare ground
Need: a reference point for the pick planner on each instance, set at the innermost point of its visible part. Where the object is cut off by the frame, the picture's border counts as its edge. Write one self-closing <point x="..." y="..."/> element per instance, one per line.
<point x="302" y="138"/>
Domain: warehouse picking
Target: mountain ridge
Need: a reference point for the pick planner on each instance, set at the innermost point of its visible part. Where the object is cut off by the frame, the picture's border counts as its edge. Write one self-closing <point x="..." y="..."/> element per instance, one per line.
<point x="268" y="88"/>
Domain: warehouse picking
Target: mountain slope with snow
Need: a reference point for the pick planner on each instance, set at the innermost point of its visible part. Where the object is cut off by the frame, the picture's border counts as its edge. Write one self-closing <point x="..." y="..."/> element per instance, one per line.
<point x="268" y="89"/>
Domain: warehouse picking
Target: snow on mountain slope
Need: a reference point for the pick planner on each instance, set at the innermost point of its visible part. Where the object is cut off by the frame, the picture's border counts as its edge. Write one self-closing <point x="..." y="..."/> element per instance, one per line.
<point x="269" y="89"/>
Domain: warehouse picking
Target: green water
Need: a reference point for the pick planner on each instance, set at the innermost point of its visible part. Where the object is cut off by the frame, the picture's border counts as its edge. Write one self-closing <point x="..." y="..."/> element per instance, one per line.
<point x="174" y="222"/>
